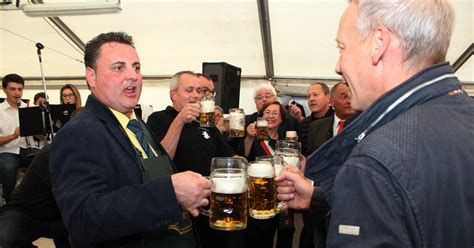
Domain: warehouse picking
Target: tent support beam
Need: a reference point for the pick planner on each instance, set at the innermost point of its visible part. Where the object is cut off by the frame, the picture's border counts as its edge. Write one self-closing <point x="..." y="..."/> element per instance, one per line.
<point x="65" y="29"/>
<point x="265" y="31"/>
<point x="464" y="57"/>
<point x="68" y="32"/>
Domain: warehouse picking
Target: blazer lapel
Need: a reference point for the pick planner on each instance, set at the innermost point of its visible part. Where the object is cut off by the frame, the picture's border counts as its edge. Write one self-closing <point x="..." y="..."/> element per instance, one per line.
<point x="104" y="114"/>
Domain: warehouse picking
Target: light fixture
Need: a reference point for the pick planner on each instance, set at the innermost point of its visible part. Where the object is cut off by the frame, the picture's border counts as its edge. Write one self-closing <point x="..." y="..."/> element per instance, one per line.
<point x="70" y="9"/>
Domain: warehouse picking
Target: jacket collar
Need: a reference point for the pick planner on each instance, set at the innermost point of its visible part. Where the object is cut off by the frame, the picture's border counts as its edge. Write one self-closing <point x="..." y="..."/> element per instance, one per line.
<point x="104" y="114"/>
<point x="324" y="163"/>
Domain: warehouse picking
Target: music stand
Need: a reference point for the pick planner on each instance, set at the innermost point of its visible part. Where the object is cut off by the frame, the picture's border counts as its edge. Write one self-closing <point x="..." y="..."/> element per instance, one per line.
<point x="23" y="100"/>
<point x="33" y="120"/>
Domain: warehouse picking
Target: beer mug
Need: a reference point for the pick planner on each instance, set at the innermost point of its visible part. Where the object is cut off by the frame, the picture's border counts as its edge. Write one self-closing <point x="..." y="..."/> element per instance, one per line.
<point x="290" y="152"/>
<point x="262" y="190"/>
<point x="262" y="128"/>
<point x="229" y="194"/>
<point x="207" y="115"/>
<point x="291" y="136"/>
<point x="277" y="162"/>
<point x="236" y="122"/>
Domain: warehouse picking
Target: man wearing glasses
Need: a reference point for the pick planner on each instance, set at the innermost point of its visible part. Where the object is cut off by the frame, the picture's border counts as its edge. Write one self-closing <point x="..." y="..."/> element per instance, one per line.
<point x="265" y="93"/>
<point x="207" y="86"/>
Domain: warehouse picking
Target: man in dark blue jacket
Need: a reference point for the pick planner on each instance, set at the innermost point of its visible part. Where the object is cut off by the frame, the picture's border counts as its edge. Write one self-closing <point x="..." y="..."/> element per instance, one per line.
<point x="114" y="183"/>
<point x="400" y="174"/>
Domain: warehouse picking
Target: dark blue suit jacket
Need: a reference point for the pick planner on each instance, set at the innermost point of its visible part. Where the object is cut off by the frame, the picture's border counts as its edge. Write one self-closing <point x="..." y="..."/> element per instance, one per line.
<point x="98" y="183"/>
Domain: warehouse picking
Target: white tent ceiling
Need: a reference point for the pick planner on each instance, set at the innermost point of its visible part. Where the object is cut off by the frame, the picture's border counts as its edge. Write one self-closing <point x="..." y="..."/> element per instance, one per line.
<point x="175" y="35"/>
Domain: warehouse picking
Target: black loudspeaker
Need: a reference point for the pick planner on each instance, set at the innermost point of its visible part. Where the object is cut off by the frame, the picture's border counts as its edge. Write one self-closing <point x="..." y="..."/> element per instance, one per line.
<point x="226" y="80"/>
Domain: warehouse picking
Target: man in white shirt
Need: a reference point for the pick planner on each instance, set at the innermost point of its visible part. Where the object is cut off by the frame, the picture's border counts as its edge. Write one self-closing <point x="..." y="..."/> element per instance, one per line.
<point x="12" y="147"/>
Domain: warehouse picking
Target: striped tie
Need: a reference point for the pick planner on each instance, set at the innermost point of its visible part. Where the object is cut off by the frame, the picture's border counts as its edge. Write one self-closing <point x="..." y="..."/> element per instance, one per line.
<point x="135" y="127"/>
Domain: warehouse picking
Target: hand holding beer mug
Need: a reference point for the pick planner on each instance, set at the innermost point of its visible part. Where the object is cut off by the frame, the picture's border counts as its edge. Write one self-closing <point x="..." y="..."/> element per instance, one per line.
<point x="207" y="115"/>
<point x="262" y="128"/>
<point x="290" y="151"/>
<point x="236" y="122"/>
<point x="228" y="211"/>
<point x="262" y="189"/>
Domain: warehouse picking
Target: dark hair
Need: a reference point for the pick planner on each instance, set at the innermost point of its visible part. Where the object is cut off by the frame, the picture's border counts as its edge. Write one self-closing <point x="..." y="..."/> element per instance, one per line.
<point x="282" y="109"/>
<point x="38" y="95"/>
<point x="15" y="78"/>
<point x="92" y="51"/>
<point x="334" y="88"/>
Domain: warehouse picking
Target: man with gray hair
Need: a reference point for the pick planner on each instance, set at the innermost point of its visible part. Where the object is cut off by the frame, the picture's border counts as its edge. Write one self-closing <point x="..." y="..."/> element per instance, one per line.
<point x="190" y="146"/>
<point x="265" y="93"/>
<point x="400" y="174"/>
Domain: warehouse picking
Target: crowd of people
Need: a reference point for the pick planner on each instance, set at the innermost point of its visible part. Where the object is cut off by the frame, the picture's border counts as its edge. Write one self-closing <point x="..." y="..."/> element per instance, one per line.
<point x="386" y="153"/>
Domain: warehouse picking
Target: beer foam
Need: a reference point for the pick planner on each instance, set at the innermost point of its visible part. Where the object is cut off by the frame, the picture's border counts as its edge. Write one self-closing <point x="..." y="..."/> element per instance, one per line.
<point x="278" y="169"/>
<point x="261" y="169"/>
<point x="237" y="121"/>
<point x="229" y="185"/>
<point x="262" y="123"/>
<point x="291" y="160"/>
<point x="291" y="134"/>
<point x="236" y="115"/>
<point x="207" y="106"/>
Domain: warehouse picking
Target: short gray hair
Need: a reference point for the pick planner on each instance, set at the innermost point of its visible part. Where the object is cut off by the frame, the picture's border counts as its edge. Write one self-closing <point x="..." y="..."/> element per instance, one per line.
<point x="174" y="81"/>
<point x="423" y="26"/>
<point x="264" y="86"/>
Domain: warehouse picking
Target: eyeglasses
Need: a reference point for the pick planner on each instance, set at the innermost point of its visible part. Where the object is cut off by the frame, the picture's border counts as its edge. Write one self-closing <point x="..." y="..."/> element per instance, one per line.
<point x="268" y="112"/>
<point x="205" y="91"/>
<point x="266" y="96"/>
<point x="66" y="96"/>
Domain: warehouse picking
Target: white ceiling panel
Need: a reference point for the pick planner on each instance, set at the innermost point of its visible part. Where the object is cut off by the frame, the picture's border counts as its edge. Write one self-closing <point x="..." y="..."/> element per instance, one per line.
<point x="303" y="34"/>
<point x="178" y="35"/>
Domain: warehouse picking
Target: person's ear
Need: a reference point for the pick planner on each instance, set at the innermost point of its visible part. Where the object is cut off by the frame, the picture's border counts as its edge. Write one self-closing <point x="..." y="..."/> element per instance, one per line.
<point x="91" y="77"/>
<point x="172" y="95"/>
<point x="381" y="43"/>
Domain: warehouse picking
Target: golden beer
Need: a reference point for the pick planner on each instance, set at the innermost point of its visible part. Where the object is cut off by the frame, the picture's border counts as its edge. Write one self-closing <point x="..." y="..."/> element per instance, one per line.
<point x="207" y="115"/>
<point x="229" y="199"/>
<point x="261" y="128"/>
<point x="207" y="119"/>
<point x="262" y="190"/>
<point x="236" y="122"/>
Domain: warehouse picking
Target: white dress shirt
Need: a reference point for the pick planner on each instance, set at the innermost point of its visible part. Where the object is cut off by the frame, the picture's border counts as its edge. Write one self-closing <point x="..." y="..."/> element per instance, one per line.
<point x="9" y="120"/>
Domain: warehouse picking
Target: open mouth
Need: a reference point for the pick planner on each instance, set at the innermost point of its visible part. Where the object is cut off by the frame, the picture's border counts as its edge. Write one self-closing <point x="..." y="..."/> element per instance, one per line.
<point x="130" y="91"/>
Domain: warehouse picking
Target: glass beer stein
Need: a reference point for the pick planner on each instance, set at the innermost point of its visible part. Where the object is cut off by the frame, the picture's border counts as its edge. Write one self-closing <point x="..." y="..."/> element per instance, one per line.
<point x="277" y="162"/>
<point x="236" y="122"/>
<point x="290" y="152"/>
<point x="207" y="115"/>
<point x="229" y="194"/>
<point x="262" y="128"/>
<point x="262" y="189"/>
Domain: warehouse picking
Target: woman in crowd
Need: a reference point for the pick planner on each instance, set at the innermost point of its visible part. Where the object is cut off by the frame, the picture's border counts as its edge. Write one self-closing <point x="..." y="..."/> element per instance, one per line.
<point x="70" y="95"/>
<point x="260" y="233"/>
